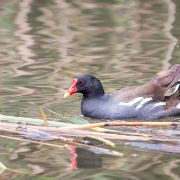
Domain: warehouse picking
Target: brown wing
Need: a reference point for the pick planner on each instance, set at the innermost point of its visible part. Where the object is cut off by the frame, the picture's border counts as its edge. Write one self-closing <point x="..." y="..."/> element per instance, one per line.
<point x="156" y="88"/>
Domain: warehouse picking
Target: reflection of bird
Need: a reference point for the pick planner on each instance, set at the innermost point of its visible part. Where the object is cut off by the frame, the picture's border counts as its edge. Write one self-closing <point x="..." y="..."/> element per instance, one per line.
<point x="160" y="97"/>
<point x="83" y="159"/>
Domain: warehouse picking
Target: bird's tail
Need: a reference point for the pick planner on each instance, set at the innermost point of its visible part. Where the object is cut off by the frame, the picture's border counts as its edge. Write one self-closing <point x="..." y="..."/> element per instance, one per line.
<point x="171" y="82"/>
<point x="170" y="78"/>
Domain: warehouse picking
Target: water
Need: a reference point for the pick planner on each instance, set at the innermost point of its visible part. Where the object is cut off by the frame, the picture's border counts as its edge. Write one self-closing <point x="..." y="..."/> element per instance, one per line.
<point x="45" y="43"/>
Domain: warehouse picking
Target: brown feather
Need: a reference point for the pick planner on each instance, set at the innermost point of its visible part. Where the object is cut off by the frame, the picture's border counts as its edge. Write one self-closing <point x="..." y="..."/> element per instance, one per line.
<point x="156" y="88"/>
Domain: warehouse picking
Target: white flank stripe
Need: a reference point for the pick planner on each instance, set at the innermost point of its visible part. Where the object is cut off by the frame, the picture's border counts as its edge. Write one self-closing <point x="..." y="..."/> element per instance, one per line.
<point x="178" y="106"/>
<point x="159" y="104"/>
<point x="143" y="102"/>
<point x="123" y="104"/>
<point x="136" y="100"/>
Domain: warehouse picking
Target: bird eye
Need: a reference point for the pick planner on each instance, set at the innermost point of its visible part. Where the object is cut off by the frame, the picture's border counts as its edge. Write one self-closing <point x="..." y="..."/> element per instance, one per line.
<point x="80" y="83"/>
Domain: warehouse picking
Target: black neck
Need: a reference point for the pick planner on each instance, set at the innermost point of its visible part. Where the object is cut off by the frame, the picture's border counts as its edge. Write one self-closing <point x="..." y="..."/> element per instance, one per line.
<point x="92" y="93"/>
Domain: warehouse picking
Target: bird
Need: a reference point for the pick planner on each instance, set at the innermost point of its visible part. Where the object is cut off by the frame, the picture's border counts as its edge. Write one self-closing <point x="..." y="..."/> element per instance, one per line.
<point x="158" y="98"/>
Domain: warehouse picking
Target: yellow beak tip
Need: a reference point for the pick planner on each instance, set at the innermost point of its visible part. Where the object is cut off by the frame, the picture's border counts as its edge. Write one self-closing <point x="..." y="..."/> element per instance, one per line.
<point x="66" y="95"/>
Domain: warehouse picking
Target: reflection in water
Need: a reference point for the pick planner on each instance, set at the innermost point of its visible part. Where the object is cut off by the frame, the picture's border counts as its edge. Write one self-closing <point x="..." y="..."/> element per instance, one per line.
<point x="52" y="162"/>
<point x="47" y="42"/>
<point x="83" y="159"/>
<point x="159" y="146"/>
<point x="26" y="40"/>
<point x="167" y="31"/>
<point x="168" y="170"/>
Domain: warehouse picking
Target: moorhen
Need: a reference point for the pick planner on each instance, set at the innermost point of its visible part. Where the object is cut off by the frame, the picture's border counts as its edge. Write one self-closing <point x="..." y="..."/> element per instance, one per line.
<point x="158" y="98"/>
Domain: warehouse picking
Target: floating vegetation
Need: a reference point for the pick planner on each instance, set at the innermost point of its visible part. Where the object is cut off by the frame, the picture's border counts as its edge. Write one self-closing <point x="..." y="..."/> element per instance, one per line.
<point x="81" y="135"/>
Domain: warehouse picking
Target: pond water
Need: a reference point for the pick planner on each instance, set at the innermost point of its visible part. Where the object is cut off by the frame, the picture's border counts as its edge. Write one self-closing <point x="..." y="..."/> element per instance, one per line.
<point x="46" y="43"/>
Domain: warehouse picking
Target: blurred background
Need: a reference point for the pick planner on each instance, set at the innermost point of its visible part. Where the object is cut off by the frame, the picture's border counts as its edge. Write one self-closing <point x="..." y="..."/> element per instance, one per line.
<point x="46" y="43"/>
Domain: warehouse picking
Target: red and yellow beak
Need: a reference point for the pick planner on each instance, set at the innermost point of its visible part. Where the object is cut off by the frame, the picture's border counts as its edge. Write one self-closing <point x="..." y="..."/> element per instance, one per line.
<point x="72" y="89"/>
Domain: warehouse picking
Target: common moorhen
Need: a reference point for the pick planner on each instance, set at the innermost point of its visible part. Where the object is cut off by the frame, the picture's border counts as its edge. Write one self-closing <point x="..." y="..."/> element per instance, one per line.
<point x="158" y="98"/>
